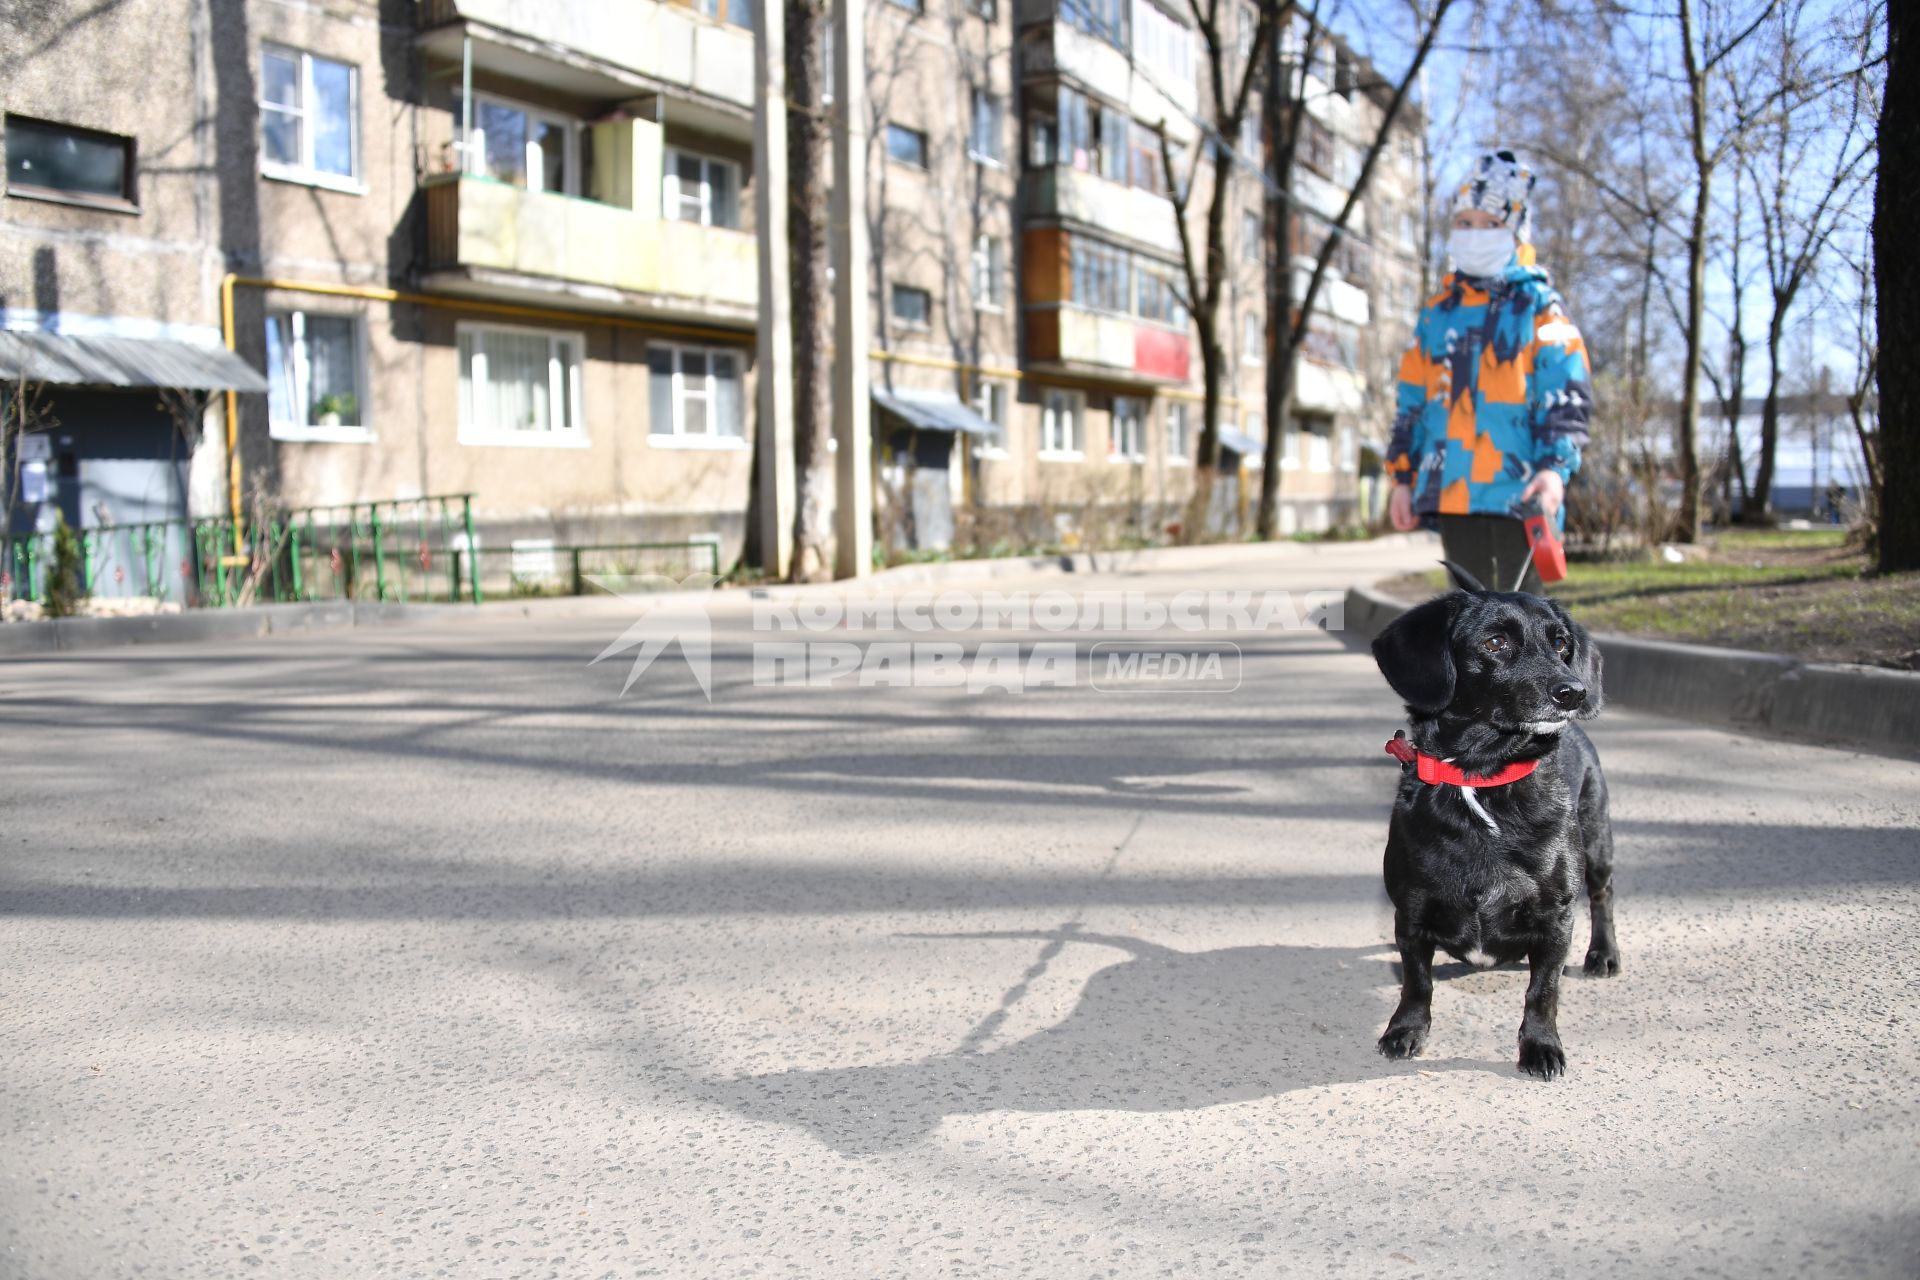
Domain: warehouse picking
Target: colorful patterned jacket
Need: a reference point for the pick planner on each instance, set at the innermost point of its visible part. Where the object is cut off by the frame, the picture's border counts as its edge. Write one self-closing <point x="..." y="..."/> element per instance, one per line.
<point x="1494" y="388"/>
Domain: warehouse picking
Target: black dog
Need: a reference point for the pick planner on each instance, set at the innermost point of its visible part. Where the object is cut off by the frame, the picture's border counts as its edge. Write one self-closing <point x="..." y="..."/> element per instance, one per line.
<point x="1493" y="681"/>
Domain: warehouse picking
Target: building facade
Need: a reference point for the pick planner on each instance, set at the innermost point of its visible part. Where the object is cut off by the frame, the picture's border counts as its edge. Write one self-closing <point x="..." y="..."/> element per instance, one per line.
<point x="507" y="248"/>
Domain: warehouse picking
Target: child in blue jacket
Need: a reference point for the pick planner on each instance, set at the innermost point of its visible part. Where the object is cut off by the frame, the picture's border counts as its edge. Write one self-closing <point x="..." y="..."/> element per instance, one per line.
<point x="1494" y="393"/>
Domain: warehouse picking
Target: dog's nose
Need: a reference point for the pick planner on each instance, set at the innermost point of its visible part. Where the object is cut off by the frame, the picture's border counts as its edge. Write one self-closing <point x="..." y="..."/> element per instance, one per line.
<point x="1568" y="693"/>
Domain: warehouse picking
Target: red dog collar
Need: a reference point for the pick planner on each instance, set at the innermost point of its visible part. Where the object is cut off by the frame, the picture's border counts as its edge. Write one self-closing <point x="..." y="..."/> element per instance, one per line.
<point x="1432" y="769"/>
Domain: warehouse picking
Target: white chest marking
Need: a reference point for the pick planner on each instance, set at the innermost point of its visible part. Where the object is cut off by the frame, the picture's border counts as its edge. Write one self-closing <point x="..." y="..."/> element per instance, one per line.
<point x="1479" y="959"/>
<point x="1473" y="802"/>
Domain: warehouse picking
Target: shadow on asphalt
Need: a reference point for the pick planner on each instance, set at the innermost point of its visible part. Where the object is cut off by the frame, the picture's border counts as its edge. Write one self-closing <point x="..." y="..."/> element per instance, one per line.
<point x="1160" y="1031"/>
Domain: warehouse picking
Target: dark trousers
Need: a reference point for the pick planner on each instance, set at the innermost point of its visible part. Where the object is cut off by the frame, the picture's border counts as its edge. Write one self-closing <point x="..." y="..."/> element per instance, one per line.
<point x="1491" y="548"/>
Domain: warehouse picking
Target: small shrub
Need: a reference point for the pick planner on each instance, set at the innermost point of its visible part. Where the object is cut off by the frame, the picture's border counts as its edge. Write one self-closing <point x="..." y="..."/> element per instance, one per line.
<point x="66" y="587"/>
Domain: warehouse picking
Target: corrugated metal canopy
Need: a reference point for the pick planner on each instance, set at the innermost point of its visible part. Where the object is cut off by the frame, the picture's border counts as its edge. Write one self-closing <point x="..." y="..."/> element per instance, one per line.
<point x="101" y="361"/>
<point x="1241" y="443"/>
<point x="935" y="413"/>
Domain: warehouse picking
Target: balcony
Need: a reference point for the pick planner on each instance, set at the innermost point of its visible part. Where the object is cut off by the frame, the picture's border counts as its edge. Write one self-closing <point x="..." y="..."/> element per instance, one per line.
<point x="1058" y="50"/>
<point x="489" y="239"/>
<point x="602" y="51"/>
<point x="1128" y="213"/>
<point x="1096" y="344"/>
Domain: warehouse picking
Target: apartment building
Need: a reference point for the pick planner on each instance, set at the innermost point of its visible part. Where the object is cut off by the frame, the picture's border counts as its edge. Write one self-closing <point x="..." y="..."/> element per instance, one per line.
<point x="507" y="248"/>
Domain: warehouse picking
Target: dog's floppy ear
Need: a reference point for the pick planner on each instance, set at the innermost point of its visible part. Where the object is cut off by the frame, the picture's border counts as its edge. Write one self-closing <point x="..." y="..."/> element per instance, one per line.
<point x="1415" y="656"/>
<point x="1463" y="580"/>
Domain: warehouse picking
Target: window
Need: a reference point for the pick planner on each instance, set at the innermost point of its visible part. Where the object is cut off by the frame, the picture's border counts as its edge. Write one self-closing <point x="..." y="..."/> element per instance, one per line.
<point x="700" y="189"/>
<point x="519" y="386"/>
<point x="1105" y="19"/>
<point x="1115" y="156"/>
<point x="1162" y="43"/>
<point x="1253" y="333"/>
<point x="313" y="377"/>
<point x="1319" y="437"/>
<point x="1349" y="449"/>
<point x="911" y="6"/>
<point x="737" y="12"/>
<point x="990" y="402"/>
<point x="1290" y="446"/>
<point x="1060" y="425"/>
<point x="1253" y="233"/>
<point x="696" y="396"/>
<point x="908" y="146"/>
<point x="1127" y="440"/>
<point x="983" y="9"/>
<point x="1101" y="276"/>
<point x="309" y="118"/>
<point x="1243" y="40"/>
<point x="1158" y="297"/>
<point x="522" y="146"/>
<point x="984" y="142"/>
<point x="912" y="308"/>
<point x="62" y="162"/>
<point x="989" y="272"/>
<point x="1179" y="434"/>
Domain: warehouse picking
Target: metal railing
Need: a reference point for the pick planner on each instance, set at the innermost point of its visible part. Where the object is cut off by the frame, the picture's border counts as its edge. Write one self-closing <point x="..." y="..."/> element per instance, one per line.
<point x="564" y="570"/>
<point x="417" y="550"/>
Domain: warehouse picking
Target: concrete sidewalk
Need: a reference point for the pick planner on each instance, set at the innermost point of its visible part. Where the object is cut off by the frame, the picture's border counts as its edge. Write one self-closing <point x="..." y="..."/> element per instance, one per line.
<point x="422" y="951"/>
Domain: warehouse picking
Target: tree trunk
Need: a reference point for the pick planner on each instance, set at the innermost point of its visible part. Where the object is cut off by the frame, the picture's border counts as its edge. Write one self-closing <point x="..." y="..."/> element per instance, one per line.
<point x="1896" y="229"/>
<point x="1688" y="429"/>
<point x="812" y="298"/>
<point x="1759" y="506"/>
<point x="1281" y="344"/>
<point x="1207" y="463"/>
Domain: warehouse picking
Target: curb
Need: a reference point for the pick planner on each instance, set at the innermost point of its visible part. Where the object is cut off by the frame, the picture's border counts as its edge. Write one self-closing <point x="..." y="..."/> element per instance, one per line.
<point x="62" y="635"/>
<point x="1865" y="706"/>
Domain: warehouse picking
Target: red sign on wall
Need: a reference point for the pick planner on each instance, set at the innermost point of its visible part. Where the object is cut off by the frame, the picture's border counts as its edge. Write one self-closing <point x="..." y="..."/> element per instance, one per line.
<point x="1159" y="354"/>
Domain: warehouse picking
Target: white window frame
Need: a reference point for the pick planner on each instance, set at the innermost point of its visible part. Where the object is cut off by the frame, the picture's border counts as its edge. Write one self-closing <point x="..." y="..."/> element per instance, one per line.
<point x="670" y="185"/>
<point x="1183" y="455"/>
<point x="989" y="273"/>
<point x="1138" y="417"/>
<point x="996" y="107"/>
<point x="677" y="395"/>
<point x="1253" y="337"/>
<point x="1072" y="446"/>
<point x="302" y="432"/>
<point x="1319" y="447"/>
<point x="991" y="401"/>
<point x="474" y="162"/>
<point x="573" y="435"/>
<point x="304" y="172"/>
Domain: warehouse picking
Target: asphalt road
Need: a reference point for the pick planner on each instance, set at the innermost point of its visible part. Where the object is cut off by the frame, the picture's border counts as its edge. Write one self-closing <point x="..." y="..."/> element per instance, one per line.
<point x="425" y="952"/>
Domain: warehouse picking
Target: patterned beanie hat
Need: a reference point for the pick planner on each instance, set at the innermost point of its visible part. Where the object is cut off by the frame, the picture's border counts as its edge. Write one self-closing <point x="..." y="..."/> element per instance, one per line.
<point x="1501" y="184"/>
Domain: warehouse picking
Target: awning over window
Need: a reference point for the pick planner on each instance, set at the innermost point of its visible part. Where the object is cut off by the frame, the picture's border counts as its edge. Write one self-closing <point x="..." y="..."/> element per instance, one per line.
<point x="1241" y="443"/>
<point x="935" y="413"/>
<point x="101" y="361"/>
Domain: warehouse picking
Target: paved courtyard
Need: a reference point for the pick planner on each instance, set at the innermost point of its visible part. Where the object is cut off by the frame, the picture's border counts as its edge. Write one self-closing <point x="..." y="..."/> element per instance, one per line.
<point x="423" y="952"/>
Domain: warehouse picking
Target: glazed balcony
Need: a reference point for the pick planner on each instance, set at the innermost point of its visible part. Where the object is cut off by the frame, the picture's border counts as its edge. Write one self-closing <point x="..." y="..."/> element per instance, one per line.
<point x="1121" y="211"/>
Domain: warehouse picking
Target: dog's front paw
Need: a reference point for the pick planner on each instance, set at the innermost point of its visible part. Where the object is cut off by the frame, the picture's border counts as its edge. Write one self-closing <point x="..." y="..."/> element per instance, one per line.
<point x="1542" y="1058"/>
<point x="1602" y="962"/>
<point x="1404" y="1041"/>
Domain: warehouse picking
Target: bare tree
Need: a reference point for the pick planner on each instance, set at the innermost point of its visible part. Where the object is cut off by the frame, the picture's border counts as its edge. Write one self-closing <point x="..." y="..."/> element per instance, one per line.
<point x="1802" y="180"/>
<point x="1287" y="112"/>
<point x="1231" y="72"/>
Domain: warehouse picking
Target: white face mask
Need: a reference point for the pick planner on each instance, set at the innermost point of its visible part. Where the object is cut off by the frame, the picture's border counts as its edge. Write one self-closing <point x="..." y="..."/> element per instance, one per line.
<point x="1481" y="251"/>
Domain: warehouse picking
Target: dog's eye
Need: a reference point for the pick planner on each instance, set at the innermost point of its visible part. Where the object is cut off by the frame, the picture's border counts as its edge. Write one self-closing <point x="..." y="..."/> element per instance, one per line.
<point x="1564" y="647"/>
<point x="1494" y="644"/>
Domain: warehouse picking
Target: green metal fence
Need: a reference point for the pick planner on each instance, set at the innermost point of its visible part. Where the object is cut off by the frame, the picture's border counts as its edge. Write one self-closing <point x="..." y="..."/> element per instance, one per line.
<point x="541" y="570"/>
<point x="404" y="550"/>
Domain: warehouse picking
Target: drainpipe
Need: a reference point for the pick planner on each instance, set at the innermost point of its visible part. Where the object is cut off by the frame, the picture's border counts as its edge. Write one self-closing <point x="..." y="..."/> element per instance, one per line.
<point x="233" y="421"/>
